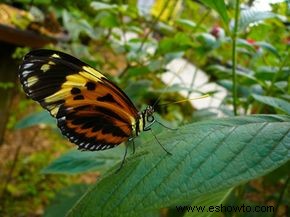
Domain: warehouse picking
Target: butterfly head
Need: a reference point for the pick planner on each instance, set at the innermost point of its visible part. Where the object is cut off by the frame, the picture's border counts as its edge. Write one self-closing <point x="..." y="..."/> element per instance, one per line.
<point x="149" y="114"/>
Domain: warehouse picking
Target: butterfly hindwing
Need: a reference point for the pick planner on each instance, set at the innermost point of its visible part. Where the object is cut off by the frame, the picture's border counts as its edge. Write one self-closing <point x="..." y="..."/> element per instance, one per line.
<point x="90" y="110"/>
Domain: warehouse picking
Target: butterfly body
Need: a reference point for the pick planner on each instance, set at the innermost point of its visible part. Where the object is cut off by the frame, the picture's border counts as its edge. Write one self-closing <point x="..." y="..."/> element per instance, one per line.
<point x="91" y="111"/>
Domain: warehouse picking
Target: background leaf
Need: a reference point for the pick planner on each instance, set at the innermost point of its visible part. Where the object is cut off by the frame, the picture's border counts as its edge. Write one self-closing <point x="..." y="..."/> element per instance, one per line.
<point x="102" y="6"/>
<point x="274" y="102"/>
<point x="78" y="162"/>
<point x="36" y="118"/>
<point x="268" y="47"/>
<point x="207" y="157"/>
<point x="64" y="200"/>
<point x="251" y="16"/>
<point x="219" y="7"/>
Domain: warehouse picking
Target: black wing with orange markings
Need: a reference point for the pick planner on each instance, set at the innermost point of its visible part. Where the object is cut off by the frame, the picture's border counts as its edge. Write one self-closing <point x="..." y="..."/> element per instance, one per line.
<point x="90" y="110"/>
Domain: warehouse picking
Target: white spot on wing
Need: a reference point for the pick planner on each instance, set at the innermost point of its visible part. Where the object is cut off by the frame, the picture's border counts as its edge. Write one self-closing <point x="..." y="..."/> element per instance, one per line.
<point x="27" y="65"/>
<point x="25" y="73"/>
<point x="62" y="118"/>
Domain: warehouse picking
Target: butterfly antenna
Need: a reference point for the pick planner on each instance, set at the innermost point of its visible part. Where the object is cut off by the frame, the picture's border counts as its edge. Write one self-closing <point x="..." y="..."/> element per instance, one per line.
<point x="180" y="101"/>
<point x="185" y="100"/>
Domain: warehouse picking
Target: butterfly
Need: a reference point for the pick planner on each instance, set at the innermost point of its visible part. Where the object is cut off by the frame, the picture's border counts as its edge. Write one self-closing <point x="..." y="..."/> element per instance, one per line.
<point x="90" y="110"/>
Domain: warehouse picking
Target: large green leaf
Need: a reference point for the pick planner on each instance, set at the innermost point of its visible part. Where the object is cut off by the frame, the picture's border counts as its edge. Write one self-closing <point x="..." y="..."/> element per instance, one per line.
<point x="208" y="203"/>
<point x="208" y="156"/>
<point x="274" y="102"/>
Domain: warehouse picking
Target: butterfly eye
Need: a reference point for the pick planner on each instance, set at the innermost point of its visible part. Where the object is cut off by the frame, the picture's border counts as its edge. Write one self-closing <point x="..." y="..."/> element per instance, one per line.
<point x="150" y="118"/>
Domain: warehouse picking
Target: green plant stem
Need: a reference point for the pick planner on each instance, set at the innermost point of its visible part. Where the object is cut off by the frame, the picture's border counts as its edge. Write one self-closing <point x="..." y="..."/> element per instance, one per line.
<point x="234" y="57"/>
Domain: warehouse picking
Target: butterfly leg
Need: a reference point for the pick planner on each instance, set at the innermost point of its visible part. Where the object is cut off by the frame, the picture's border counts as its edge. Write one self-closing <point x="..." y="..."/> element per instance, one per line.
<point x="147" y="129"/>
<point x="123" y="160"/>
<point x="133" y="144"/>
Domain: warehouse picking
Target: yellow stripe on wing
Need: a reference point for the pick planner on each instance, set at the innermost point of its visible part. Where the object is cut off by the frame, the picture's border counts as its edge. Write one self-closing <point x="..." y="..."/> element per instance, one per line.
<point x="91" y="74"/>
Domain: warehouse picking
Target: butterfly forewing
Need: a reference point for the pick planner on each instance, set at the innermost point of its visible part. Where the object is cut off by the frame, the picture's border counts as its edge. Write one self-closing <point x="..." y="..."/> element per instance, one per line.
<point x="90" y="110"/>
